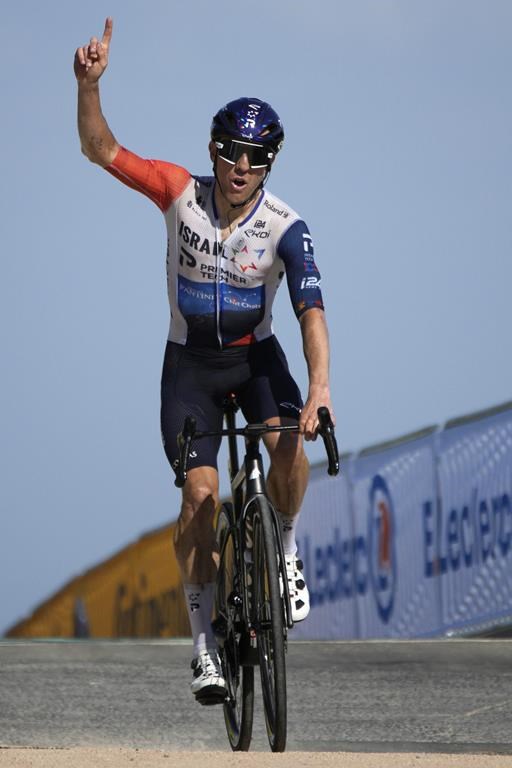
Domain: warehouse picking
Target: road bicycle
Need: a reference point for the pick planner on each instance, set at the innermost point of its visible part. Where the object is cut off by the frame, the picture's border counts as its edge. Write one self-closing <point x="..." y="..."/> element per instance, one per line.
<point x="252" y="612"/>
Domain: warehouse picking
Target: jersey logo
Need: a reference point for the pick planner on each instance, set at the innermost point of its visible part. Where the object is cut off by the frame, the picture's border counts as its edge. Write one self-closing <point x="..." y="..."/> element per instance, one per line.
<point x="310" y="282"/>
<point x="280" y="211"/>
<point x="238" y="258"/>
<point x="308" y="243"/>
<point x="244" y="267"/>
<point x="185" y="255"/>
<point x="262" y="234"/>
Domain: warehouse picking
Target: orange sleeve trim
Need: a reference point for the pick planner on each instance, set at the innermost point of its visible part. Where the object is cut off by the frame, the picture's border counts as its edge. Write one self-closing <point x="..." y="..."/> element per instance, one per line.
<point x="162" y="182"/>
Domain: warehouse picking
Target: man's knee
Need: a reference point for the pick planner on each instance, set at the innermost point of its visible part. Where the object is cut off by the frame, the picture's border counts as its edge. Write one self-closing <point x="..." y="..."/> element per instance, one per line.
<point x="200" y="496"/>
<point x="202" y="482"/>
<point x="194" y="529"/>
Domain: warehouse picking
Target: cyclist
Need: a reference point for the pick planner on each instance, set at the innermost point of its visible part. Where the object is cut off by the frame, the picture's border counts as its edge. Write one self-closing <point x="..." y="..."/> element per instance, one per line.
<point x="230" y="243"/>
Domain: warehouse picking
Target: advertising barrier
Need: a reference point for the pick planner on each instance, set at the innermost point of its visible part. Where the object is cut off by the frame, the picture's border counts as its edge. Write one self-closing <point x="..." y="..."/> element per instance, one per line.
<point x="390" y="487"/>
<point x="412" y="539"/>
<point x="430" y="518"/>
<point x="326" y="546"/>
<point x="471" y="536"/>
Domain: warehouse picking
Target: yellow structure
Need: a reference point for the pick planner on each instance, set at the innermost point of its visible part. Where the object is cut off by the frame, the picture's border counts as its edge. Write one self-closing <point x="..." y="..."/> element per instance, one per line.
<point x="135" y="593"/>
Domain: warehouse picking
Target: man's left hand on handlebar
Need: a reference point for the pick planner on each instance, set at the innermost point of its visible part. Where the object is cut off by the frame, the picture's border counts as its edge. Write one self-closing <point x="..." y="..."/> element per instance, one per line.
<point x="308" y="422"/>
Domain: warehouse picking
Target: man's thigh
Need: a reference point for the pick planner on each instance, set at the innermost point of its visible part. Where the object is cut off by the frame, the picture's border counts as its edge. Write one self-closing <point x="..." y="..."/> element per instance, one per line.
<point x="186" y="391"/>
<point x="270" y="390"/>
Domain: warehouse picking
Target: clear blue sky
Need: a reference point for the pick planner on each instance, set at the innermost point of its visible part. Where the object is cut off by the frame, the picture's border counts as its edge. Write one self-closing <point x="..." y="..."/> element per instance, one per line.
<point x="398" y="117"/>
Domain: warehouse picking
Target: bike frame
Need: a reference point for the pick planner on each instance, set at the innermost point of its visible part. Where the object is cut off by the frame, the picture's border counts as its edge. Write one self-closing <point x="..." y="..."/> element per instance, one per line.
<point x="247" y="484"/>
<point x="248" y="481"/>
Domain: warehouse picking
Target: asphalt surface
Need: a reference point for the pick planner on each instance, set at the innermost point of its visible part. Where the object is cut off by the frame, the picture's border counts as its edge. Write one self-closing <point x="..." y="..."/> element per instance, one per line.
<point x="429" y="696"/>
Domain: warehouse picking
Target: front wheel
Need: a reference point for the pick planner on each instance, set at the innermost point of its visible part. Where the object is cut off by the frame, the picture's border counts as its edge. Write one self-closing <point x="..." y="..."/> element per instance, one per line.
<point x="228" y="626"/>
<point x="268" y="621"/>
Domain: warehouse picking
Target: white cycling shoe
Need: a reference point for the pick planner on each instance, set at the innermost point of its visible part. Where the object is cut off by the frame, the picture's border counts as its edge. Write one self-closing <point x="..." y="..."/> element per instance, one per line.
<point x="208" y="684"/>
<point x="299" y="595"/>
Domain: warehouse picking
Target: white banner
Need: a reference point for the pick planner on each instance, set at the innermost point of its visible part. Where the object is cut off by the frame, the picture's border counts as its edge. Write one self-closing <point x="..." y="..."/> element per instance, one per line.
<point x="414" y="539"/>
<point x="326" y="546"/>
<point x="391" y="489"/>
<point x="473" y="527"/>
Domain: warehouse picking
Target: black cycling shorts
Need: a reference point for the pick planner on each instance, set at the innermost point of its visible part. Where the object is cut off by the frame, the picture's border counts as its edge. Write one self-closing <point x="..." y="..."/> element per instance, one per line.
<point x="196" y="381"/>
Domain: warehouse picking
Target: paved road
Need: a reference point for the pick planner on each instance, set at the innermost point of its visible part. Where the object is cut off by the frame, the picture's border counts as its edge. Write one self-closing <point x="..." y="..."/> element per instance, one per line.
<point x="438" y="696"/>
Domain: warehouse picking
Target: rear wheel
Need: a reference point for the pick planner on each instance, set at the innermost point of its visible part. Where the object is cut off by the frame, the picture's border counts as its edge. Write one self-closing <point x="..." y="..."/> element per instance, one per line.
<point x="268" y="620"/>
<point x="228" y="625"/>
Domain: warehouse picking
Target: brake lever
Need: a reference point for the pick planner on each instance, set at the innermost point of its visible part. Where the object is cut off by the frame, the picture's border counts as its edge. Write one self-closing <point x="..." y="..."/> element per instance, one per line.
<point x="184" y="442"/>
<point x="326" y="431"/>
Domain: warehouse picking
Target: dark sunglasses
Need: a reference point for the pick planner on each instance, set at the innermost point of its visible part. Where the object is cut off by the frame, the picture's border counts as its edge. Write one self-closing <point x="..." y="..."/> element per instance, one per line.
<point x="231" y="151"/>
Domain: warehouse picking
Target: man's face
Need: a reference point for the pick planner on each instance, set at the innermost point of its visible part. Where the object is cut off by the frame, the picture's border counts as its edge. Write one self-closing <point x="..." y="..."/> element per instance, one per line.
<point x="238" y="181"/>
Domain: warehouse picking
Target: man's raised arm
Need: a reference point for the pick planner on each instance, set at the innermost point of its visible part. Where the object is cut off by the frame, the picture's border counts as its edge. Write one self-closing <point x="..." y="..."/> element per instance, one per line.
<point x="91" y="60"/>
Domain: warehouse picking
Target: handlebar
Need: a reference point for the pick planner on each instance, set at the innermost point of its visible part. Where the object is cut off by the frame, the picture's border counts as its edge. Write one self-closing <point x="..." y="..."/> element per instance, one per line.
<point x="189" y="432"/>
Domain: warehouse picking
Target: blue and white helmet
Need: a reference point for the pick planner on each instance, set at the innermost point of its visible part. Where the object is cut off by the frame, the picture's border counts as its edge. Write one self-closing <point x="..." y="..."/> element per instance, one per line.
<point x="250" y="120"/>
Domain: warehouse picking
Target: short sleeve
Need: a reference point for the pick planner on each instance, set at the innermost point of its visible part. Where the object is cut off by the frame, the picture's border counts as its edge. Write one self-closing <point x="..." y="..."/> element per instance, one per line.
<point x="162" y="182"/>
<point x="296" y="250"/>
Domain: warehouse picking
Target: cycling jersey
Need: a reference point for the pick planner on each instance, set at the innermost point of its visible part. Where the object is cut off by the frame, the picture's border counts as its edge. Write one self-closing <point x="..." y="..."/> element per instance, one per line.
<point x="221" y="293"/>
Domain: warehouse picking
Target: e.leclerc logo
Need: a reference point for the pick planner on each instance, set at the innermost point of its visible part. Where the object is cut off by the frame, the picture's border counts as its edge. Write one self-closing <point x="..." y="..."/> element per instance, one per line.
<point x="348" y="568"/>
<point x="381" y="547"/>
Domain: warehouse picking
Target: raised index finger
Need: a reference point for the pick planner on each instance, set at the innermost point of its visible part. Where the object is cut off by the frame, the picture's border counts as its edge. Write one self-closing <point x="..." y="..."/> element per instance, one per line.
<point x="107" y="32"/>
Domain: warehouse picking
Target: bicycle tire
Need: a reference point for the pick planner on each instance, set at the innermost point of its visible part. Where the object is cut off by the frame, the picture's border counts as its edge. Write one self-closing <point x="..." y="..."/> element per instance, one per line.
<point x="239" y="702"/>
<point x="268" y="617"/>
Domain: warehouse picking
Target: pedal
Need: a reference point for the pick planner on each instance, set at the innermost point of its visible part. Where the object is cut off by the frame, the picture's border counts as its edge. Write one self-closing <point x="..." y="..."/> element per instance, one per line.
<point x="211" y="696"/>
